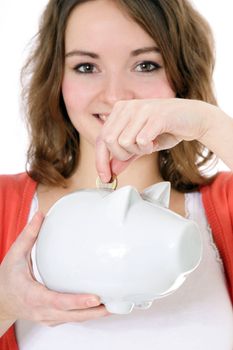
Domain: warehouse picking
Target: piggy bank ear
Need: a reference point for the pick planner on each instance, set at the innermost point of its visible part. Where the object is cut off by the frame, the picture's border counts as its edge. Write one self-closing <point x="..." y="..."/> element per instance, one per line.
<point x="118" y="203"/>
<point x="158" y="193"/>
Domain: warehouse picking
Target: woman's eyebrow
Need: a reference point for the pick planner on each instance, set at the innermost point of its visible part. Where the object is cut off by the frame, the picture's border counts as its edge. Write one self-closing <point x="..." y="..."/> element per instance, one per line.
<point x="145" y="50"/>
<point x="96" y="56"/>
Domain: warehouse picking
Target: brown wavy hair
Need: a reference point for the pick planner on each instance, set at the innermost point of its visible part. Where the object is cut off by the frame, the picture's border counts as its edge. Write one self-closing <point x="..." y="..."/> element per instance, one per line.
<point x="187" y="47"/>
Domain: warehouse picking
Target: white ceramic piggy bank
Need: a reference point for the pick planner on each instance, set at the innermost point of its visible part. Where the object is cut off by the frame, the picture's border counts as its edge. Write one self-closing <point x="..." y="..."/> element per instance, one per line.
<point x="125" y="247"/>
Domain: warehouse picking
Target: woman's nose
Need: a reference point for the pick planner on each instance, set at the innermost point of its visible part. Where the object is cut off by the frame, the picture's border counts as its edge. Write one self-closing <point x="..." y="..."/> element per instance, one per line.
<point x="116" y="88"/>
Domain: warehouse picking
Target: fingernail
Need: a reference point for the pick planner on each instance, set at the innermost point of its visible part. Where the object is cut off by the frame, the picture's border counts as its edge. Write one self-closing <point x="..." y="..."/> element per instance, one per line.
<point x="92" y="302"/>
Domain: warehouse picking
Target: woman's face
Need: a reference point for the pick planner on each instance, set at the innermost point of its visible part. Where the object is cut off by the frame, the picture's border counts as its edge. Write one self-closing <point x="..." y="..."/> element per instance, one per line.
<point x="108" y="58"/>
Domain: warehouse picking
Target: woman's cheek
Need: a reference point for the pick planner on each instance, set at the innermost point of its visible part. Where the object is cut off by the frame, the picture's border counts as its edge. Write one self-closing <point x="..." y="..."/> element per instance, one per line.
<point x="74" y="96"/>
<point x="67" y="93"/>
<point x="160" y="89"/>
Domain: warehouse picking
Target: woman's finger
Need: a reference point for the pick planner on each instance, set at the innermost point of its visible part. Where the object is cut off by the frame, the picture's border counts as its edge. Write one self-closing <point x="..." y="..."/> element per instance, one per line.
<point x="127" y="139"/>
<point x="112" y="130"/>
<point x="61" y="317"/>
<point x="40" y="295"/>
<point x="102" y="160"/>
<point x="111" y="136"/>
<point x="28" y="236"/>
<point x="166" y="141"/>
<point x="117" y="150"/>
<point x="119" y="166"/>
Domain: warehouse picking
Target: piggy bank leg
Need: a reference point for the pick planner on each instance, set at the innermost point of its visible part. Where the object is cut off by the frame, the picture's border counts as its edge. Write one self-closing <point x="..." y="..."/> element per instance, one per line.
<point x="122" y="307"/>
<point x="143" y="305"/>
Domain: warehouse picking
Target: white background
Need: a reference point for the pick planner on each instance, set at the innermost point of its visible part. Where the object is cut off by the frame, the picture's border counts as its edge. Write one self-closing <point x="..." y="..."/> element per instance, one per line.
<point x="18" y="24"/>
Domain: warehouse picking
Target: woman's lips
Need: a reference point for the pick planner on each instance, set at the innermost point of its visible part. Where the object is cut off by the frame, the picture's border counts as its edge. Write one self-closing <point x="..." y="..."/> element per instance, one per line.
<point x="101" y="117"/>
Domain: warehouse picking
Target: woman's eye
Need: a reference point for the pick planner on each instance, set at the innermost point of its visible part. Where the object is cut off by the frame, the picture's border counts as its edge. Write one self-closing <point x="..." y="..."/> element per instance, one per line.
<point x="84" y="68"/>
<point x="147" y="66"/>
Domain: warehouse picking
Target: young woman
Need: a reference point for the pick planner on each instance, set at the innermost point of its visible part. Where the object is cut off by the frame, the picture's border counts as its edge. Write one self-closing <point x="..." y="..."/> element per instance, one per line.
<point x="120" y="87"/>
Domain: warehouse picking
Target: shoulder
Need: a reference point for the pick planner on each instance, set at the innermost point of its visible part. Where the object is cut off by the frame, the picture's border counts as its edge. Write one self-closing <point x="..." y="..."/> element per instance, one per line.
<point x="224" y="179"/>
<point x="13" y="179"/>
<point x="217" y="198"/>
<point x="16" y="193"/>
<point x="221" y="187"/>
<point x="15" y="183"/>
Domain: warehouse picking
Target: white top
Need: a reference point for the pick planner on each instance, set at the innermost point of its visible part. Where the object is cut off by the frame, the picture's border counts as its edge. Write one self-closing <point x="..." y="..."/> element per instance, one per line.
<point x="198" y="316"/>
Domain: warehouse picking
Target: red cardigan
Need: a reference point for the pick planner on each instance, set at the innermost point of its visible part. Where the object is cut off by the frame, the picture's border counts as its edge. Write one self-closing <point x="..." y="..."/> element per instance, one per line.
<point x="17" y="191"/>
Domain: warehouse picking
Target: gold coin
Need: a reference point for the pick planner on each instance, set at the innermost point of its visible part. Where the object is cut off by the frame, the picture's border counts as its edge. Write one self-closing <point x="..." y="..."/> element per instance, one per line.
<point x="112" y="185"/>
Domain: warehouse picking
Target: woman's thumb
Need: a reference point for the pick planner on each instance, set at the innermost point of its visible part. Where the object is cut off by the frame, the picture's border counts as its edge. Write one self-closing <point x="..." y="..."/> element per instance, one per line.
<point x="118" y="166"/>
<point x="29" y="234"/>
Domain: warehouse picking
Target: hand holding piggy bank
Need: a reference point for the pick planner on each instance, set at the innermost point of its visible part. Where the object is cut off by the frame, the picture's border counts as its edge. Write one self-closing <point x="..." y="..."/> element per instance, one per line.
<point x="123" y="246"/>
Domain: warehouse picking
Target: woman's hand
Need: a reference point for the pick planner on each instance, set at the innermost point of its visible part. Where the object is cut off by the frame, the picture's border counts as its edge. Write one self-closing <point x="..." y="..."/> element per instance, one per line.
<point x="139" y="127"/>
<point x="22" y="297"/>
